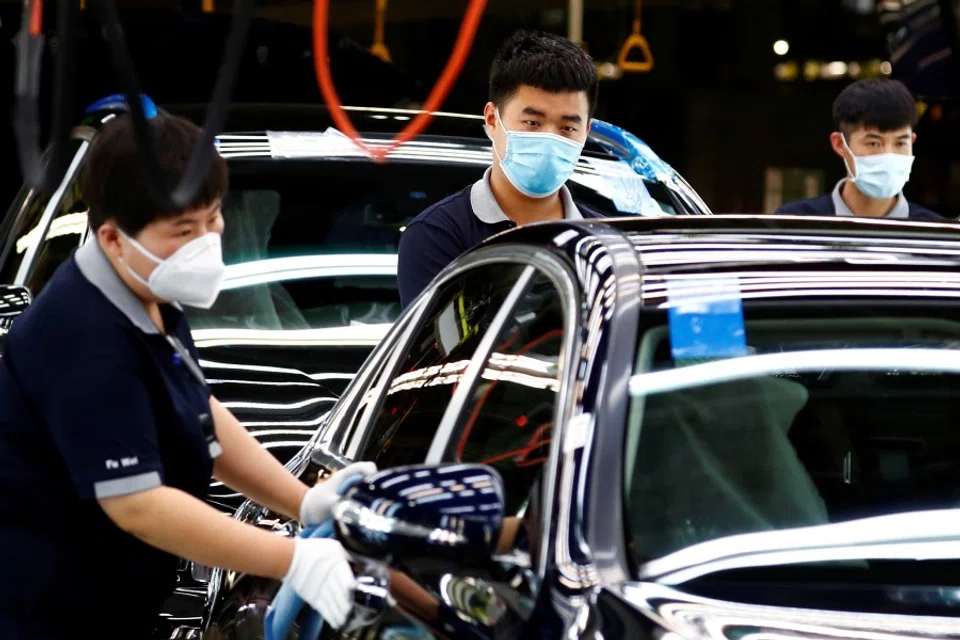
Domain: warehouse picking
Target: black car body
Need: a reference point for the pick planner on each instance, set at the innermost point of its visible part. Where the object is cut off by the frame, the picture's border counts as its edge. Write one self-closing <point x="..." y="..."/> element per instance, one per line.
<point x="795" y="475"/>
<point x="310" y="243"/>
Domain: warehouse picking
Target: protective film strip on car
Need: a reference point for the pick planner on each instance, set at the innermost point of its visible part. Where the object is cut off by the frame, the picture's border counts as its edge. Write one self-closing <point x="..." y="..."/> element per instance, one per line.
<point x="706" y="319"/>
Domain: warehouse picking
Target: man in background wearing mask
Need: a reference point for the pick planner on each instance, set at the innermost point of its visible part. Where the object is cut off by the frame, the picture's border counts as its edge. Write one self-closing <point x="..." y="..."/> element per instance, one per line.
<point x="543" y="90"/>
<point x="874" y="120"/>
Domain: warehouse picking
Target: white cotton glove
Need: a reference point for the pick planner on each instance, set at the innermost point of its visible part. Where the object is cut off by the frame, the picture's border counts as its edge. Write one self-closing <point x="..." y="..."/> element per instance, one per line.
<point x="319" y="500"/>
<point x="321" y="576"/>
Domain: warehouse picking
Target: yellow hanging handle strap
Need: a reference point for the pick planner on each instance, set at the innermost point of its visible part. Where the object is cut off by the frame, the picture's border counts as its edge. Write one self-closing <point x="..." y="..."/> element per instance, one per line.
<point x="208" y="6"/>
<point x="636" y="41"/>
<point x="379" y="47"/>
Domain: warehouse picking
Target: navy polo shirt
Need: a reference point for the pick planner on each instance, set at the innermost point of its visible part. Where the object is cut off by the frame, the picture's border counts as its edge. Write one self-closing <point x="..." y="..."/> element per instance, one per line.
<point x="446" y="230"/>
<point x="833" y="204"/>
<point x="93" y="404"/>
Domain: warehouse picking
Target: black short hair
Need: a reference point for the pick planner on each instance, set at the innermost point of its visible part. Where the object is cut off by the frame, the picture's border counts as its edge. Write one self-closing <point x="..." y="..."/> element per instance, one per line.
<point x="114" y="183"/>
<point x="875" y="102"/>
<point x="545" y="61"/>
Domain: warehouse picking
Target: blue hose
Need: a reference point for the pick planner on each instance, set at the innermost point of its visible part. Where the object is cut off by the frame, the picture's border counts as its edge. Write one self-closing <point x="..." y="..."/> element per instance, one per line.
<point x="287" y="605"/>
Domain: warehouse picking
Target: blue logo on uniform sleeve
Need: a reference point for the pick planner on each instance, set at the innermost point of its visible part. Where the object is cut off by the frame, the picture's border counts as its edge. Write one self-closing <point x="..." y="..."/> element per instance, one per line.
<point x="706" y="320"/>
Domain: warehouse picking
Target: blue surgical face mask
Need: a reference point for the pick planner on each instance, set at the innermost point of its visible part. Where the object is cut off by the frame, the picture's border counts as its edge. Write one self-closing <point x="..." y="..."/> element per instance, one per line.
<point x="879" y="176"/>
<point x="537" y="164"/>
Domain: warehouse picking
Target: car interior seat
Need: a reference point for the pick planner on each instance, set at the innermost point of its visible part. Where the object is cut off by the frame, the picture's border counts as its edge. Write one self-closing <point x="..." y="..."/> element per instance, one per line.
<point x="249" y="217"/>
<point x="715" y="461"/>
<point x="878" y="443"/>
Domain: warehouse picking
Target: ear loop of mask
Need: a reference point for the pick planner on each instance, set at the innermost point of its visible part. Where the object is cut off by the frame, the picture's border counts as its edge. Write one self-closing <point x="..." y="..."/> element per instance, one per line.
<point x="850" y="172"/>
<point x="139" y="247"/>
<point x="144" y="251"/>
<point x="506" y="138"/>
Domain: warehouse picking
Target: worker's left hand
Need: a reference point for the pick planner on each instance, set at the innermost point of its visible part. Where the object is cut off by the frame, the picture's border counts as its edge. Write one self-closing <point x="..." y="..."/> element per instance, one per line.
<point x="319" y="500"/>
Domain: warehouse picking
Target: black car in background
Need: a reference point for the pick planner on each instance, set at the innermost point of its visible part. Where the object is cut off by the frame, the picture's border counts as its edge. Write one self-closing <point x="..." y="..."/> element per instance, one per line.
<point x="710" y="428"/>
<point x="310" y="243"/>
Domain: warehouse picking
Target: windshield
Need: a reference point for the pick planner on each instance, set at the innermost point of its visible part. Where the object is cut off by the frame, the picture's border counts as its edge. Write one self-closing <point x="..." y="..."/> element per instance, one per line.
<point x="824" y="420"/>
<point x="312" y="244"/>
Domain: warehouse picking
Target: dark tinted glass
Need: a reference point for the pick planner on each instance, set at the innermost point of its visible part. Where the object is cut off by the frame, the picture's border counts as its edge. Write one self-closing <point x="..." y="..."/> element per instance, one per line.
<point x="509" y="422"/>
<point x="422" y="386"/>
<point x="64" y="235"/>
<point x="23" y="229"/>
<point x="794" y="448"/>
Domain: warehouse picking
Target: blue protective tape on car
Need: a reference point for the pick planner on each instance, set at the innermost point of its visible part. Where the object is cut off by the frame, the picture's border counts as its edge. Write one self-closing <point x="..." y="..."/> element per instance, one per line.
<point x="287" y="605"/>
<point x="706" y="319"/>
<point x="632" y="150"/>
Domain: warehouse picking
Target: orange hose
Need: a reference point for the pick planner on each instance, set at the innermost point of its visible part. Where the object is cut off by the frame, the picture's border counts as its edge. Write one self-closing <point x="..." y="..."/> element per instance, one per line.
<point x="36" y="18"/>
<point x="321" y="59"/>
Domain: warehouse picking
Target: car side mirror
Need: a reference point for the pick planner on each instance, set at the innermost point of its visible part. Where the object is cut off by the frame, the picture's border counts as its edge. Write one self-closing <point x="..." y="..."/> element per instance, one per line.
<point x="14" y="300"/>
<point x="450" y="512"/>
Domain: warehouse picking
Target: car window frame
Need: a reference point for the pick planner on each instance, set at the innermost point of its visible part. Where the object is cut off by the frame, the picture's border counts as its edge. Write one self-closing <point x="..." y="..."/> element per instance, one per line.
<point x="341" y="431"/>
<point x="443" y="438"/>
<point x="567" y="287"/>
<point x="414" y="316"/>
<point x="31" y="254"/>
<point x="696" y="204"/>
<point x="22" y="203"/>
<point x="565" y="281"/>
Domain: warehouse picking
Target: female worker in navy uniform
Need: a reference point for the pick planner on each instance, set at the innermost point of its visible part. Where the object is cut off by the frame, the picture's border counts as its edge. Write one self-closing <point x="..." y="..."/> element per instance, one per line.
<point x="109" y="434"/>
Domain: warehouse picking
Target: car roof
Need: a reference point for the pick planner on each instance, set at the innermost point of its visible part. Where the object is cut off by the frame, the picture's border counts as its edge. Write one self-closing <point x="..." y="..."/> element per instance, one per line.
<point x="611" y="155"/>
<point x="783" y="256"/>
<point x="248" y="118"/>
<point x="784" y="242"/>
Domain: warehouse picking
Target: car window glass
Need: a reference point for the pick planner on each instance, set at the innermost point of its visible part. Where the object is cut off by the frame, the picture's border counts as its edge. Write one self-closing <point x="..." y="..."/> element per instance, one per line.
<point x="21" y="238"/>
<point x="64" y="235"/>
<point x="296" y="261"/>
<point x="509" y="421"/>
<point x="829" y="445"/>
<point x="613" y="188"/>
<point x="440" y="351"/>
<point x="24" y="230"/>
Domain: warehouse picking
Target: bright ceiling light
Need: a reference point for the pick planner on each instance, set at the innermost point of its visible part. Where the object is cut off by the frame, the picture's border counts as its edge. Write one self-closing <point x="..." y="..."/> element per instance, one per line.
<point x="781" y="47"/>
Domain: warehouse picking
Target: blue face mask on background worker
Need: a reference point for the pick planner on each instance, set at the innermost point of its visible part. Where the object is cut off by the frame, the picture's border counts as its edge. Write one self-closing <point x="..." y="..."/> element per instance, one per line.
<point x="879" y="176"/>
<point x="537" y="164"/>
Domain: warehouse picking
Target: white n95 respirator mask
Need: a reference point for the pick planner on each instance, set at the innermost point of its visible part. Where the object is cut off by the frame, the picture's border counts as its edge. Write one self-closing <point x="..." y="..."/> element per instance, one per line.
<point x="191" y="276"/>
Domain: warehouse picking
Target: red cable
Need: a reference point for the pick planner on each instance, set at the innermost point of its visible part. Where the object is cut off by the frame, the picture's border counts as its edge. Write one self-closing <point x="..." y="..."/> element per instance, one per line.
<point x="321" y="60"/>
<point x="36" y="18"/>
<point x="533" y="344"/>
<point x="536" y="441"/>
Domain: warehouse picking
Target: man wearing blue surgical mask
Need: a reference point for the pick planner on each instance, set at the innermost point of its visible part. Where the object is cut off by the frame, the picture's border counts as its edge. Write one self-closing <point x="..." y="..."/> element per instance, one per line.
<point x="874" y="119"/>
<point x="543" y="90"/>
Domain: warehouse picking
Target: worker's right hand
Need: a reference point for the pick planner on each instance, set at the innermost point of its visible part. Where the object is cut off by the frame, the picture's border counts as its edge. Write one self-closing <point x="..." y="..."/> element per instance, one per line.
<point x="321" y="576"/>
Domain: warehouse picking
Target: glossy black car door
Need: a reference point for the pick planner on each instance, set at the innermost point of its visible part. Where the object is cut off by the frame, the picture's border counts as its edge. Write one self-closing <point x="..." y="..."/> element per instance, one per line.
<point x="508" y="319"/>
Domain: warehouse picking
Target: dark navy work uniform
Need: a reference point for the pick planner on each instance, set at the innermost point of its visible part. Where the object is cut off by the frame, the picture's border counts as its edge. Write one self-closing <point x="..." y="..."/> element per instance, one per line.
<point x="446" y="230"/>
<point x="832" y="204"/>
<point x="93" y="404"/>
